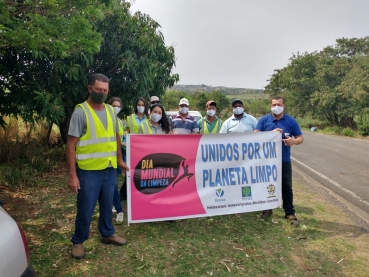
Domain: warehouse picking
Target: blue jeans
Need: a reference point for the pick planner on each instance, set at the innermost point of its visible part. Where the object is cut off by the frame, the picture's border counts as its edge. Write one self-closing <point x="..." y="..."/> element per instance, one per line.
<point x="96" y="185"/>
<point x="116" y="199"/>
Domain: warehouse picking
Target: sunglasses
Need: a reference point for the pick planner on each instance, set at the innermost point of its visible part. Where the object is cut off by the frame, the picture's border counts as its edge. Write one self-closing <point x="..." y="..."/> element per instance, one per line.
<point x="154" y="102"/>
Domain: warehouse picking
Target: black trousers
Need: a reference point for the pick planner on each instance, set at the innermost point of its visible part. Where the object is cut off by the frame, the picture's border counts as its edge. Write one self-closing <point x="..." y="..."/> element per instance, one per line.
<point x="123" y="190"/>
<point x="287" y="193"/>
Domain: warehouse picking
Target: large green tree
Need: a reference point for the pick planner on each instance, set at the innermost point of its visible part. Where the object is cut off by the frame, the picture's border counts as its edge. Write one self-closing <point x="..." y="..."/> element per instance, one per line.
<point x="131" y="52"/>
<point x="329" y="85"/>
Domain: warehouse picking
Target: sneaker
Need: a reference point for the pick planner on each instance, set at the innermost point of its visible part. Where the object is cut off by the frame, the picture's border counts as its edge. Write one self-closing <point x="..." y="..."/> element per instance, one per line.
<point x="114" y="210"/>
<point x="114" y="239"/>
<point x="292" y="219"/>
<point x="78" y="251"/>
<point x="266" y="213"/>
<point x="120" y="217"/>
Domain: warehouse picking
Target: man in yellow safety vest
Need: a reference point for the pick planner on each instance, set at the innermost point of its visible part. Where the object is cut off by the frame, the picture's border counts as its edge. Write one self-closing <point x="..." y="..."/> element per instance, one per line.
<point x="210" y="124"/>
<point x="93" y="141"/>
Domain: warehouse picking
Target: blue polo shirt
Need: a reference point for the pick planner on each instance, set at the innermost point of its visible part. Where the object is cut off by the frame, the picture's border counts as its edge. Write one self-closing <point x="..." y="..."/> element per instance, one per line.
<point x="287" y="123"/>
<point x="247" y="123"/>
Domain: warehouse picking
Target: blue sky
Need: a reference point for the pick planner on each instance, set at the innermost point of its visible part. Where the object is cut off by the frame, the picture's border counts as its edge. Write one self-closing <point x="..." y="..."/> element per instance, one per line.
<point x="238" y="43"/>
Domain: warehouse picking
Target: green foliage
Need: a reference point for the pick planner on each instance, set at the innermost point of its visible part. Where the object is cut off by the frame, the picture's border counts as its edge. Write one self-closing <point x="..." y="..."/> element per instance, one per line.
<point x="46" y="76"/>
<point x="362" y="122"/>
<point x="330" y="85"/>
<point x="348" y="132"/>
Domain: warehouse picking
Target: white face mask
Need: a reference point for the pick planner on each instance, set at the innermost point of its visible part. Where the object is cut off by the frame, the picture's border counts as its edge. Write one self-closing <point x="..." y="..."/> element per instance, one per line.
<point x="155" y="117"/>
<point x="116" y="110"/>
<point x="140" y="109"/>
<point x="210" y="112"/>
<point x="183" y="110"/>
<point x="238" y="110"/>
<point x="277" y="110"/>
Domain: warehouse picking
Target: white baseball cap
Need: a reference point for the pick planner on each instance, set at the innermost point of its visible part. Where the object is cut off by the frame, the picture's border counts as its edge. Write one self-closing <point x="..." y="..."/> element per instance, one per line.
<point x="184" y="101"/>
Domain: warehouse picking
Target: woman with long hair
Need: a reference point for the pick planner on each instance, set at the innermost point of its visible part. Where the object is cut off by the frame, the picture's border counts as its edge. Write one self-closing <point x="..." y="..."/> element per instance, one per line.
<point x="139" y="116"/>
<point x="158" y="122"/>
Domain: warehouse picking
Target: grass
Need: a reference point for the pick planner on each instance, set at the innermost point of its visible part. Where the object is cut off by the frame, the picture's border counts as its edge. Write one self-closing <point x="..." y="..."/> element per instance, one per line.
<point x="327" y="243"/>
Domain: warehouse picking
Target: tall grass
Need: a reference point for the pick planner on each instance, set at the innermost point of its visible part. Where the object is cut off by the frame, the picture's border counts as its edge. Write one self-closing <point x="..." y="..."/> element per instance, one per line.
<point x="24" y="153"/>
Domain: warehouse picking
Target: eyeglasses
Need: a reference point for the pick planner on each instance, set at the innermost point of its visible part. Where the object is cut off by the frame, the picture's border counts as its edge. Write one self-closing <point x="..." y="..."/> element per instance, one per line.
<point x="154" y="102"/>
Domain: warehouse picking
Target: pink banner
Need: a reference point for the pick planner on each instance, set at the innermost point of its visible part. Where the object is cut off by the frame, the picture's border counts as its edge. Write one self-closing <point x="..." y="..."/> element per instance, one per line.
<point x="162" y="177"/>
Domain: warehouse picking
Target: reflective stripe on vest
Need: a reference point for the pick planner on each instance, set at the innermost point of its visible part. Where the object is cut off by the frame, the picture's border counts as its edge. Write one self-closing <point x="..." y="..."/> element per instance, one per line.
<point x="205" y="129"/>
<point x="132" y="124"/>
<point x="121" y="129"/>
<point x="97" y="148"/>
<point x="146" y="129"/>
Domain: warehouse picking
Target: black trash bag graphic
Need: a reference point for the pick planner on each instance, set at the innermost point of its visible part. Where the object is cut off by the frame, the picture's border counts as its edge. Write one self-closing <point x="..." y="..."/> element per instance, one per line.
<point x="156" y="172"/>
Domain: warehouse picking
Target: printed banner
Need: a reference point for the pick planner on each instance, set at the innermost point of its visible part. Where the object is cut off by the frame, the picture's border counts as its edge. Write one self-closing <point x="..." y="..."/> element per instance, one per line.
<point x="187" y="176"/>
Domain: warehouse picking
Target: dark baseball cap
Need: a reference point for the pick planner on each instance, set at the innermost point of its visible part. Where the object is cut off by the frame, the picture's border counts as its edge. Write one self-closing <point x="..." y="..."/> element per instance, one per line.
<point x="237" y="101"/>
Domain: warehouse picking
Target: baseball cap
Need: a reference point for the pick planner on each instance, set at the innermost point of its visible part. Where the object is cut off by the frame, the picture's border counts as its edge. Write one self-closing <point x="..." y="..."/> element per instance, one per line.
<point x="211" y="102"/>
<point x="237" y="101"/>
<point x="184" y="101"/>
<point x="154" y="98"/>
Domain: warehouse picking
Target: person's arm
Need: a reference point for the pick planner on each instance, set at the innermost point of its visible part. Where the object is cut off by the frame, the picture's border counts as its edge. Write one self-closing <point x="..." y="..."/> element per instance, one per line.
<point x="121" y="163"/>
<point x="289" y="141"/>
<point x="73" y="181"/>
<point x="296" y="137"/>
<point x="195" y="127"/>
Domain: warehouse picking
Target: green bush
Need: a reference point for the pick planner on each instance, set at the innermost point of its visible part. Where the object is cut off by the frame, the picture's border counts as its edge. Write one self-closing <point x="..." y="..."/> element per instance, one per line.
<point x="333" y="130"/>
<point x="362" y="123"/>
<point x="348" y="132"/>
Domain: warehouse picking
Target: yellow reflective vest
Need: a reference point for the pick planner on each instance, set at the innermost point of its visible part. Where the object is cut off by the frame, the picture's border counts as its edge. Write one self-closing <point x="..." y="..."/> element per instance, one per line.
<point x="132" y="124"/>
<point x="205" y="129"/>
<point x="97" y="148"/>
<point x="146" y="129"/>
<point x="121" y="129"/>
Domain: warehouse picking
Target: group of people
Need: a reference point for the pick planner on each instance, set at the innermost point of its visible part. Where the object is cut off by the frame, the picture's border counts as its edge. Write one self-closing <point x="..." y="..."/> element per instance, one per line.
<point x="96" y="136"/>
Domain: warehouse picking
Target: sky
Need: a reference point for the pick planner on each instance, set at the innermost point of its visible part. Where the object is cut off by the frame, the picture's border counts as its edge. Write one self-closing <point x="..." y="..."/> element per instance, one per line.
<point x="239" y="43"/>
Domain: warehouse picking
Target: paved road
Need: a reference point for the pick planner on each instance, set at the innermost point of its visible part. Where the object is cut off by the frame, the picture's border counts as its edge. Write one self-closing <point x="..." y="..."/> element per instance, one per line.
<point x="339" y="163"/>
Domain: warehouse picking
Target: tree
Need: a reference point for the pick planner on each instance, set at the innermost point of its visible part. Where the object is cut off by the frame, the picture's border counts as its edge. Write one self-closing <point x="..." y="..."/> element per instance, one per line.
<point x="133" y="54"/>
<point x="326" y="84"/>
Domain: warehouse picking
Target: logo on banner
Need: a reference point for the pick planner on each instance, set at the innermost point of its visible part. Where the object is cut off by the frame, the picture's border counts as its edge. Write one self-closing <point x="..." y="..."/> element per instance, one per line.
<point x="219" y="193"/>
<point x="271" y="191"/>
<point x="246" y="193"/>
<point x="155" y="172"/>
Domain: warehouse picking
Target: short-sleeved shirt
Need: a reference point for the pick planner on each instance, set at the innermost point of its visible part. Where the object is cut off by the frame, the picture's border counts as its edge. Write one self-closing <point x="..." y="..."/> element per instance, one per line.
<point x="209" y="125"/>
<point x="183" y="126"/>
<point x="287" y="123"/>
<point x="155" y="130"/>
<point x="247" y="123"/>
<point x="78" y="126"/>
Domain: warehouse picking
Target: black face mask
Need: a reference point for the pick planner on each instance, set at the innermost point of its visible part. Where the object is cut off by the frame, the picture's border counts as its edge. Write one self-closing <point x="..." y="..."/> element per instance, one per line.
<point x="98" y="97"/>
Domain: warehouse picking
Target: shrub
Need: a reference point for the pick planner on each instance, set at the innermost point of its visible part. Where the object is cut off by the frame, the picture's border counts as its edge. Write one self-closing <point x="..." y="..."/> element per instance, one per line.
<point x="348" y="132"/>
<point x="362" y="123"/>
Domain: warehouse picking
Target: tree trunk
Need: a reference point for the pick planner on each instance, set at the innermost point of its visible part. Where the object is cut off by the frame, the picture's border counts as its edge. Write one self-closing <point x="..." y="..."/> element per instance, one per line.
<point x="64" y="126"/>
<point x="47" y="139"/>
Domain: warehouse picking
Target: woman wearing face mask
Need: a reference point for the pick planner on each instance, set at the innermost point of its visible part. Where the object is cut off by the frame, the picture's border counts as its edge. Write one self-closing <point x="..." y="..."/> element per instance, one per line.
<point x="158" y="122"/>
<point x="239" y="122"/>
<point x="116" y="103"/>
<point x="138" y="117"/>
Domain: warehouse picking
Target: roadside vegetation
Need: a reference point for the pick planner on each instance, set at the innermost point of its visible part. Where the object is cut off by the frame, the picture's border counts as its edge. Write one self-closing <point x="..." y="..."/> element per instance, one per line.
<point x="327" y="89"/>
<point x="33" y="187"/>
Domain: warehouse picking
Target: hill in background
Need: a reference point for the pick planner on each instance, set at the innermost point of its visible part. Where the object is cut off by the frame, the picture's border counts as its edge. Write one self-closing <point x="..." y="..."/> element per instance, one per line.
<point x="204" y="88"/>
